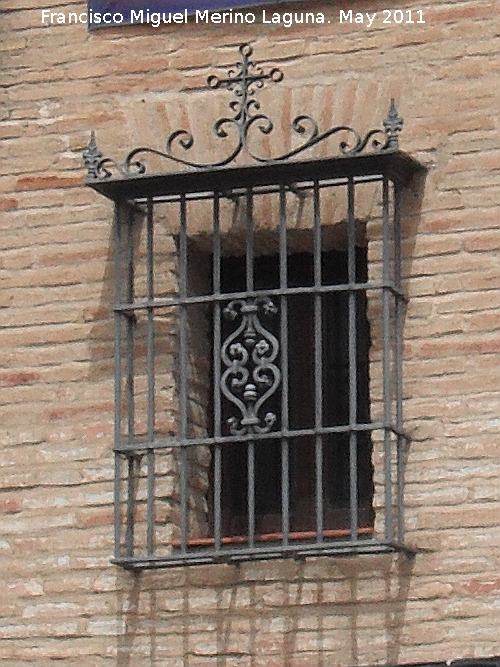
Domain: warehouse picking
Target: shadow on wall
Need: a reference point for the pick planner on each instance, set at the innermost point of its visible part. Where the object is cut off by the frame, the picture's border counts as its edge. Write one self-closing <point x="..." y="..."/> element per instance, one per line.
<point x="102" y="332"/>
<point x="411" y="207"/>
<point x="310" y="613"/>
<point x="101" y="337"/>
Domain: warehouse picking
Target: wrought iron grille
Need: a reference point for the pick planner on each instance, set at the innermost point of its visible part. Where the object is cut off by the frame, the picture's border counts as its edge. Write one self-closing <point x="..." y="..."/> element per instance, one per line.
<point x="258" y="345"/>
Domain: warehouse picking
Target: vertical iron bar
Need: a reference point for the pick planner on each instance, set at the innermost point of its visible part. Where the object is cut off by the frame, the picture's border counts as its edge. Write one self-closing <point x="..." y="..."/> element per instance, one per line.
<point x="183" y="389"/>
<point x="251" y="493"/>
<point x="353" y="345"/>
<point x="285" y="446"/>
<point x="386" y="361"/>
<point x="131" y="491"/>
<point x="183" y="490"/>
<point x="150" y="505"/>
<point x="318" y="359"/>
<point x="251" y="444"/>
<point x="217" y="497"/>
<point x="216" y="268"/>
<point x="401" y="442"/>
<point x="129" y="282"/>
<point x="249" y="254"/>
<point x="130" y="327"/>
<point x="117" y="259"/>
<point x="285" y="491"/>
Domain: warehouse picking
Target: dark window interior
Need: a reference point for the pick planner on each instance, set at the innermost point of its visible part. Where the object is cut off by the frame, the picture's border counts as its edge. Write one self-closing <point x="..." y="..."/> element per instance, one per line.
<point x="335" y="402"/>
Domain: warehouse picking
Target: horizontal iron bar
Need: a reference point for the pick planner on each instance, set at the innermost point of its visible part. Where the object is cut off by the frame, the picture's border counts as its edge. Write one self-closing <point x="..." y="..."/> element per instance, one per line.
<point x="395" y="165"/>
<point x="280" y="551"/>
<point x="229" y="296"/>
<point x="257" y="437"/>
<point x="236" y="193"/>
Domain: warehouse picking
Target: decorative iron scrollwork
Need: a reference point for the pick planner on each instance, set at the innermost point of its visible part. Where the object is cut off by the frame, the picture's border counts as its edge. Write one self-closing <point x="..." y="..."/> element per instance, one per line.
<point x="243" y="80"/>
<point x="102" y="168"/>
<point x="251" y="376"/>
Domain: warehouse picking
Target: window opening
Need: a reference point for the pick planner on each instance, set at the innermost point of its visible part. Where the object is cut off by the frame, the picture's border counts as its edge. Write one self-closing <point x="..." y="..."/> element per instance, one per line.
<point x="335" y="405"/>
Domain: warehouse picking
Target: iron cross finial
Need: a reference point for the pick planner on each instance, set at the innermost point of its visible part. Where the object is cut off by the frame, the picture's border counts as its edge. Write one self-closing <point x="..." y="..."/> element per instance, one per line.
<point x="245" y="76"/>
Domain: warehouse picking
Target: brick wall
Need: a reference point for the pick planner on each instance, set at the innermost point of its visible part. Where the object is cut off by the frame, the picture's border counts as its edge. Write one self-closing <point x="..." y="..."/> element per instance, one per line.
<point x="60" y="597"/>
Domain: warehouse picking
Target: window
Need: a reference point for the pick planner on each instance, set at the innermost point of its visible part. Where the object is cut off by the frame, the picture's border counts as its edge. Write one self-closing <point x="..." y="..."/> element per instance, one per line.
<point x="258" y="344"/>
<point x="258" y="349"/>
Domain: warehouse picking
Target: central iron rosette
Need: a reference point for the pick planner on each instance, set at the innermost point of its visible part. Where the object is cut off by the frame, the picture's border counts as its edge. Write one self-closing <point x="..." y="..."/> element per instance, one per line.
<point x="251" y="376"/>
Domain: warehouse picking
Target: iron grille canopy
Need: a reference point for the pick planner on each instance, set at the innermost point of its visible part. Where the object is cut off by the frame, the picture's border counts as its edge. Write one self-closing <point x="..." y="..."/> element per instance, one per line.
<point x="185" y="279"/>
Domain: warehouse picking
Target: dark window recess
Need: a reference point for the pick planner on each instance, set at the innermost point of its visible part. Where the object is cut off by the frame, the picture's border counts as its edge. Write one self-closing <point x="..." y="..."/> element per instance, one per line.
<point x="334" y="363"/>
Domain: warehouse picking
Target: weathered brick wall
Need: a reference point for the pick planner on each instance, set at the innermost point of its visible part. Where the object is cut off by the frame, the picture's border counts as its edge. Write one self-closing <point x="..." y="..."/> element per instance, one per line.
<point x="60" y="597"/>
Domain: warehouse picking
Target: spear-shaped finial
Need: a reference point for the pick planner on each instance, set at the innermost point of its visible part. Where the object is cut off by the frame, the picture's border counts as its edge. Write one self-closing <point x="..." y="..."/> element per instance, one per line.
<point x="92" y="157"/>
<point x="393" y="125"/>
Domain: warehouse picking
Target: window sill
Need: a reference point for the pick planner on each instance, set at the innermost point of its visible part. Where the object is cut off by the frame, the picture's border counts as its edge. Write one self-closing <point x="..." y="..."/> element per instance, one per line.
<point x="274" y="537"/>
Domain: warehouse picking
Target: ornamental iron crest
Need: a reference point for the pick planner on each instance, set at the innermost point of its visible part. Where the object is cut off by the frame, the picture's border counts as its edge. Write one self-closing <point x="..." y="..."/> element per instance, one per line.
<point x="243" y="80"/>
<point x="251" y="376"/>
